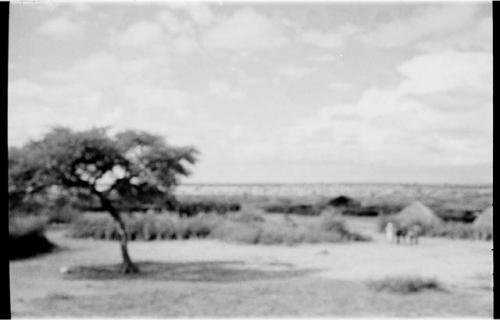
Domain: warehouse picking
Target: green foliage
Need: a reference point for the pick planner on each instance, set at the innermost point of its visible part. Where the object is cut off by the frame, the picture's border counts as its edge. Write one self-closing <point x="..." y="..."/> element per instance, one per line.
<point x="26" y="237"/>
<point x="404" y="285"/>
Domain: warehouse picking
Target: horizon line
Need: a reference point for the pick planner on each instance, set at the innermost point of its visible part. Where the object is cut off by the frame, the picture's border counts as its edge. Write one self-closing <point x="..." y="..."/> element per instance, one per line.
<point x="482" y="184"/>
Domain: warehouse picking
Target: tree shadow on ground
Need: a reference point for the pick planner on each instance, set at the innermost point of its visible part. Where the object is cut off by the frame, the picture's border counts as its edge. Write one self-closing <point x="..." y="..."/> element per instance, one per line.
<point x="199" y="271"/>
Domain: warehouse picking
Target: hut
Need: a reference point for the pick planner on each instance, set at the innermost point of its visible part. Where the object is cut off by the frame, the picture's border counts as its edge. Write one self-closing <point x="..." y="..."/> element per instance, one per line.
<point x="344" y="201"/>
<point x="417" y="213"/>
<point x="485" y="219"/>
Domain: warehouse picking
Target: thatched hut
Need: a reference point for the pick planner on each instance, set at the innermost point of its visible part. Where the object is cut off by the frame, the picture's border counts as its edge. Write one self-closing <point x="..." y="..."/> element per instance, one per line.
<point x="344" y="201"/>
<point x="485" y="219"/>
<point x="417" y="213"/>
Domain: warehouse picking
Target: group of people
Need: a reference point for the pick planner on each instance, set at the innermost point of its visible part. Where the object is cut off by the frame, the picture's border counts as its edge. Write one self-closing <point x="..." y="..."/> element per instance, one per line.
<point x="408" y="234"/>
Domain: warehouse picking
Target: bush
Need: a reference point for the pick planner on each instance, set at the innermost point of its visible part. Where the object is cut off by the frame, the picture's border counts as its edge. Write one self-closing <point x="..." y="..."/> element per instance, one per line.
<point x="452" y="230"/>
<point x="459" y="230"/>
<point x="27" y="238"/>
<point x="144" y="226"/>
<point x="361" y="212"/>
<point x="332" y="228"/>
<point x="192" y="208"/>
<point x="454" y="215"/>
<point x="60" y="214"/>
<point x="299" y="209"/>
<point x="246" y="227"/>
<point x="404" y="285"/>
<point x="248" y="216"/>
<point x="234" y="231"/>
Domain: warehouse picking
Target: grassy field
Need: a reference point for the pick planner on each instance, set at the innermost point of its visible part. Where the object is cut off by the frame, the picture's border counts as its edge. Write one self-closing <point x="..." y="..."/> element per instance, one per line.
<point x="211" y="278"/>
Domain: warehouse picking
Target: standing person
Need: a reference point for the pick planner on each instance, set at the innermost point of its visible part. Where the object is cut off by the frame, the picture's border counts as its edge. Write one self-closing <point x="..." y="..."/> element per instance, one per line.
<point x="389" y="231"/>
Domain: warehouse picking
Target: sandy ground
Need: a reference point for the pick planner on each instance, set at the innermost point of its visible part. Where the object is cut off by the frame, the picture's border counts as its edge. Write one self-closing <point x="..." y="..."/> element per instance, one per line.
<point x="212" y="278"/>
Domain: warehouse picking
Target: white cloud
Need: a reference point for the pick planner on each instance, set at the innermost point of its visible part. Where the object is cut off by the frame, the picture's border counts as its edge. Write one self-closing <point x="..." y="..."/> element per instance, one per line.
<point x="183" y="44"/>
<point x="432" y="21"/>
<point x="170" y="21"/>
<point x="101" y="70"/>
<point x="140" y="34"/>
<point x="324" y="57"/>
<point x="330" y="39"/>
<point x="245" y="30"/>
<point x="152" y="102"/>
<point x="61" y="28"/>
<point x="200" y="13"/>
<point x="223" y="90"/>
<point x="479" y="36"/>
<point x="295" y="71"/>
<point x="448" y="71"/>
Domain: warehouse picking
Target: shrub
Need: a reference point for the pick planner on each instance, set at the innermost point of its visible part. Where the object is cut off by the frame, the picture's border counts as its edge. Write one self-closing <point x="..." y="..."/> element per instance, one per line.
<point x="459" y="230"/>
<point x="235" y="231"/>
<point x="192" y="208"/>
<point x="454" y="215"/>
<point x="144" y="226"/>
<point x="361" y="212"/>
<point x="26" y="237"/>
<point x="248" y="216"/>
<point x="404" y="285"/>
<point x="60" y="214"/>
<point x="299" y="209"/>
<point x="246" y="227"/>
<point x="452" y="230"/>
<point x="331" y="228"/>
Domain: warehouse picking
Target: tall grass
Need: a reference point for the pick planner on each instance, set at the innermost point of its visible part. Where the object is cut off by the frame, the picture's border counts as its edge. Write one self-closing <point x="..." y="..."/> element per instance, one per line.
<point x="245" y="227"/>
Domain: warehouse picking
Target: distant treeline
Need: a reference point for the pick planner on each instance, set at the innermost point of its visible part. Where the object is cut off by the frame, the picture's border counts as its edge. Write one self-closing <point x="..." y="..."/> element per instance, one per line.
<point x="352" y="207"/>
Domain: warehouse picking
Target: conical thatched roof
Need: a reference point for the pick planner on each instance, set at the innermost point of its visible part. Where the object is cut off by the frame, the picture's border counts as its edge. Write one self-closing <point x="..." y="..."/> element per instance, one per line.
<point x="485" y="219"/>
<point x="417" y="213"/>
<point x="343" y="201"/>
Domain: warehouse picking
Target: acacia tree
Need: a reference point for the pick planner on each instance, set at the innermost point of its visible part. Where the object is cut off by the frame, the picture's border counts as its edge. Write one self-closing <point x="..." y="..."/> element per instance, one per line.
<point x="132" y="167"/>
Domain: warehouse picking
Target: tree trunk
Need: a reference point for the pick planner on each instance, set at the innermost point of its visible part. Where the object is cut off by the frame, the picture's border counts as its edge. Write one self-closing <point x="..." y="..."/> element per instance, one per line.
<point x="128" y="266"/>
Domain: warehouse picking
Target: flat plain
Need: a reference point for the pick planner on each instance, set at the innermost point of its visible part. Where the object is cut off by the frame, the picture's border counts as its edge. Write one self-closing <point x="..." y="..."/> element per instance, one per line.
<point x="211" y="278"/>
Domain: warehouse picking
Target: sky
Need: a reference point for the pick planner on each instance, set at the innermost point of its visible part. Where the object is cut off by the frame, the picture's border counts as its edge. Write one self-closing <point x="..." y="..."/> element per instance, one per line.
<point x="268" y="92"/>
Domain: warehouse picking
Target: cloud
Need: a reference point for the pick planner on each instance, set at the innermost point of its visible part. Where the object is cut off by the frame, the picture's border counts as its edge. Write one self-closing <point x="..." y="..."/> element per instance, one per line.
<point x="223" y="90"/>
<point x="140" y="34"/>
<point x="477" y="37"/>
<point x="448" y="71"/>
<point x="61" y="28"/>
<point x="171" y="22"/>
<point x="100" y="70"/>
<point x="440" y="114"/>
<point x="245" y="30"/>
<point x="34" y="107"/>
<point x="152" y="101"/>
<point x="200" y="13"/>
<point x="328" y="40"/>
<point x="295" y="71"/>
<point x="431" y="21"/>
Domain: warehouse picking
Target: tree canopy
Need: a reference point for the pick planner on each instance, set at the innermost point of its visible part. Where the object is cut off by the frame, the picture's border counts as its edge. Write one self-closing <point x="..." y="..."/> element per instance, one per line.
<point x="128" y="168"/>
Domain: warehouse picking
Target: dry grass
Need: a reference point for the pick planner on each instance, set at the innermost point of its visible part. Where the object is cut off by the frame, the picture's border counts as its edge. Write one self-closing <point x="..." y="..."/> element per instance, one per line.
<point x="405" y="285"/>
<point x="204" y="278"/>
<point x="247" y="226"/>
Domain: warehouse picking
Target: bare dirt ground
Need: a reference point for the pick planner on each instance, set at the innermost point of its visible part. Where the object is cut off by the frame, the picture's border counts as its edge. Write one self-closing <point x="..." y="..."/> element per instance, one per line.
<point x="208" y="278"/>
